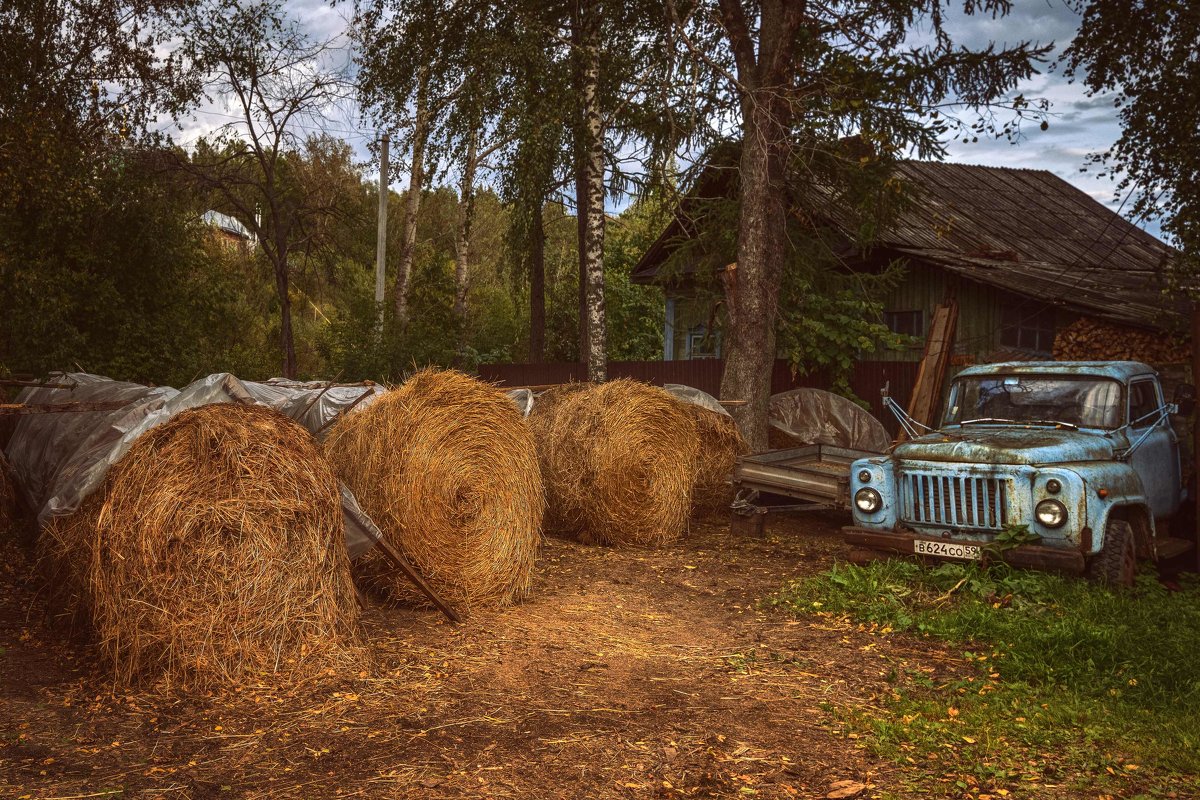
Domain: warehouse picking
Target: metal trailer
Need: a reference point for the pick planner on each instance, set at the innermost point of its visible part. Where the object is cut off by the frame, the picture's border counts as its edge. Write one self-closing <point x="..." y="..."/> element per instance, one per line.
<point x="818" y="476"/>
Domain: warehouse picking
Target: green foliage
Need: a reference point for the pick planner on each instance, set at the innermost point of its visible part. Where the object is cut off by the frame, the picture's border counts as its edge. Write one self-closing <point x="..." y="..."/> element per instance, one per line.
<point x="1151" y="69"/>
<point x="1109" y="680"/>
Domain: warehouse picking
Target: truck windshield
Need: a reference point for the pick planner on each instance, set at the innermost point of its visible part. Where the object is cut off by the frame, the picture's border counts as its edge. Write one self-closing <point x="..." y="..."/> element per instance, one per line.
<point x="1086" y="402"/>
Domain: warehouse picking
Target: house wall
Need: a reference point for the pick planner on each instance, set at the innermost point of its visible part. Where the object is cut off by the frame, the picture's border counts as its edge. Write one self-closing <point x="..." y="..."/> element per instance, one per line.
<point x="977" y="337"/>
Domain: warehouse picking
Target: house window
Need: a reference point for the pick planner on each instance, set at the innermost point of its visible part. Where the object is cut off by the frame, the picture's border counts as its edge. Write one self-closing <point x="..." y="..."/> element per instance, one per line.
<point x="907" y="323"/>
<point x="1026" y="327"/>
<point x="701" y="343"/>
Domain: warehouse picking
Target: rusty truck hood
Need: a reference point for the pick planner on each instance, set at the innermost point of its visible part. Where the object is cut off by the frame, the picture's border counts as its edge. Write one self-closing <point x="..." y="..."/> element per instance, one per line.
<point x="1008" y="444"/>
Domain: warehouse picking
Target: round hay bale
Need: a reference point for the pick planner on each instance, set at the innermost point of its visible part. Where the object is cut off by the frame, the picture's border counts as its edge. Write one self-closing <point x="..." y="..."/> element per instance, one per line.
<point x="720" y="445"/>
<point x="447" y="468"/>
<point x="619" y="462"/>
<point x="214" y="549"/>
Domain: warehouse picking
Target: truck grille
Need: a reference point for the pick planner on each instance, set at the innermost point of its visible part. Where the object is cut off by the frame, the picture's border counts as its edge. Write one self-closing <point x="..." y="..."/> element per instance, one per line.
<point x="953" y="501"/>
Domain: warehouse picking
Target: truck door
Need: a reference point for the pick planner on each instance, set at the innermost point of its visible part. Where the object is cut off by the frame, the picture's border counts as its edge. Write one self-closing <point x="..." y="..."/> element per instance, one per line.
<point x="1157" y="459"/>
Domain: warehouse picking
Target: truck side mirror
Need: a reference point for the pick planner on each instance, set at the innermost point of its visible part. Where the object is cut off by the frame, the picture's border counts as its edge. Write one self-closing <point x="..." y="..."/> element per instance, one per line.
<point x="1185" y="399"/>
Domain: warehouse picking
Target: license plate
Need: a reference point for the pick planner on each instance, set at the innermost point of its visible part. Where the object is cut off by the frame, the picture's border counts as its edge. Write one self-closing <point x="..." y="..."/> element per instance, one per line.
<point x="967" y="552"/>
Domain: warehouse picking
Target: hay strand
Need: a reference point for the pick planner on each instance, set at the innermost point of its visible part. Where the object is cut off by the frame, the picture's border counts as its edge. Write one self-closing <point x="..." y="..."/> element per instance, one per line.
<point x="447" y="468"/>
<point x="619" y="463"/>
<point x="213" y="550"/>
<point x="720" y="444"/>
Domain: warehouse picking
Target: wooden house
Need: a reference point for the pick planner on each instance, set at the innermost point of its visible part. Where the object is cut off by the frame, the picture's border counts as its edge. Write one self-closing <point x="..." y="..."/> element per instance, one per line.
<point x="1024" y="254"/>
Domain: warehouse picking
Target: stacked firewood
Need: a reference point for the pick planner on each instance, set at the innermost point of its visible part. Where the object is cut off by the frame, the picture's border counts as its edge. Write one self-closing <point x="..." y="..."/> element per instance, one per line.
<point x="1089" y="339"/>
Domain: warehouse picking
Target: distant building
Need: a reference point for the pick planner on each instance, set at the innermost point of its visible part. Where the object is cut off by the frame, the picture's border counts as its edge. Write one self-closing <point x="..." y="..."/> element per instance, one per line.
<point x="228" y="229"/>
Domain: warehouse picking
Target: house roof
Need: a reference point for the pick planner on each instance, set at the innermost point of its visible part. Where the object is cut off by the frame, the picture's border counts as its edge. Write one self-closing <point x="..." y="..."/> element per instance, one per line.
<point x="1022" y="230"/>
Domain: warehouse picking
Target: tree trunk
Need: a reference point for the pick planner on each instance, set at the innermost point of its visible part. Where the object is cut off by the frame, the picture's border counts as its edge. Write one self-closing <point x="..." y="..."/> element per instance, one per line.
<point x="537" y="290"/>
<point x="286" y="338"/>
<point x="752" y="289"/>
<point x="750" y="349"/>
<point x="412" y="207"/>
<point x="592" y="243"/>
<point x="581" y="215"/>
<point x="462" y="245"/>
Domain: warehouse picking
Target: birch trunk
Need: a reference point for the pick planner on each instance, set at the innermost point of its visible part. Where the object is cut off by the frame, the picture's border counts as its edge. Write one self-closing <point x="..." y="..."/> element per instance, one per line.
<point x="462" y="244"/>
<point x="412" y="207"/>
<point x="593" y="173"/>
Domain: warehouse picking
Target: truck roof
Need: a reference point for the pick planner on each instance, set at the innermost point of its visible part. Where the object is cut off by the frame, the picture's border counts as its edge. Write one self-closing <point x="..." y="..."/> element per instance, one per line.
<point x="1119" y="370"/>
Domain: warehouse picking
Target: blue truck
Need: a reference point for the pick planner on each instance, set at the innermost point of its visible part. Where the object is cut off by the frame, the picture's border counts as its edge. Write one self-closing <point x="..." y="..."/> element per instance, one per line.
<point x="1067" y="466"/>
<point x="1059" y="465"/>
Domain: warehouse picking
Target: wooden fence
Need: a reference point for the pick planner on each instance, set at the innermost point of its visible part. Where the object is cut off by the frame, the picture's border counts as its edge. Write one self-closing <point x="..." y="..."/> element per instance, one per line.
<point x="867" y="378"/>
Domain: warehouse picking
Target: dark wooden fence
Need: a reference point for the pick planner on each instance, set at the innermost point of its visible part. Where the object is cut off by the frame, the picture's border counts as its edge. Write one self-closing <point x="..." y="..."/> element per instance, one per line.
<point x="867" y="378"/>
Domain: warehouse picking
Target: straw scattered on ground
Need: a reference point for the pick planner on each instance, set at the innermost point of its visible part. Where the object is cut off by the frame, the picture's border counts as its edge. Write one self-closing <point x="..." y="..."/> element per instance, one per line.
<point x="720" y="445"/>
<point x="213" y="550"/>
<point x="446" y="467"/>
<point x="8" y="498"/>
<point x="619" y="462"/>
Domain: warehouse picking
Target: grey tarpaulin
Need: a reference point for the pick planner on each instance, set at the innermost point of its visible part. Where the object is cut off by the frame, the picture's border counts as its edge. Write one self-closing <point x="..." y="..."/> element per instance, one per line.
<point x="812" y="416"/>
<point x="58" y="460"/>
<point x="524" y="400"/>
<point x="314" y="405"/>
<point x="696" y="397"/>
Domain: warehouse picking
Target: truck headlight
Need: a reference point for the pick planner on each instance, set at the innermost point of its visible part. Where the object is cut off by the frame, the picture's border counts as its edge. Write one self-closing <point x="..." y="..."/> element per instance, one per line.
<point x="867" y="501"/>
<point x="1051" y="513"/>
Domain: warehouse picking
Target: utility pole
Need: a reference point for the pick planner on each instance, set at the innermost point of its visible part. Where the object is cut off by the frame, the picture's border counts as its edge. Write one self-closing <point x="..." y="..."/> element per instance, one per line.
<point x="381" y="235"/>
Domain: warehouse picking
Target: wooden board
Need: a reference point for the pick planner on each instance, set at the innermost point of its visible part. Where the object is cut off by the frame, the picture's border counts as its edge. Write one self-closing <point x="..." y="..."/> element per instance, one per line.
<point x="927" y="392"/>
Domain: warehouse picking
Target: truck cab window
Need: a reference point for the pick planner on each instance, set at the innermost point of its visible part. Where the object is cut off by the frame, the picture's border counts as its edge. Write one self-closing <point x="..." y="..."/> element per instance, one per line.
<point x="1143" y="402"/>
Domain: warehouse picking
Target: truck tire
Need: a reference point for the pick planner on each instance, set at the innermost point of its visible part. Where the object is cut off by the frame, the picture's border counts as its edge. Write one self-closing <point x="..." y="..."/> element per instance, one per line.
<point x="1116" y="563"/>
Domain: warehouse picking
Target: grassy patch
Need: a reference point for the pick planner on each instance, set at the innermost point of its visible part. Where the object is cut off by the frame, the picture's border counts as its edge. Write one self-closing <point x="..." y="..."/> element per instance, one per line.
<point x="1060" y="683"/>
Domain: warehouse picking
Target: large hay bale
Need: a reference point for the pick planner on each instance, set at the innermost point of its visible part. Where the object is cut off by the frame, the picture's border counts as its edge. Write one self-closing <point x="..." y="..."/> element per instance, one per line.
<point x="619" y="461"/>
<point x="720" y="444"/>
<point x="214" y="549"/>
<point x="447" y="468"/>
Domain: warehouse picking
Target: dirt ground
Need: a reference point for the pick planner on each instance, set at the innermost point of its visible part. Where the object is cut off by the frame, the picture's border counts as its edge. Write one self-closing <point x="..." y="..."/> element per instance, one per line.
<point x="628" y="673"/>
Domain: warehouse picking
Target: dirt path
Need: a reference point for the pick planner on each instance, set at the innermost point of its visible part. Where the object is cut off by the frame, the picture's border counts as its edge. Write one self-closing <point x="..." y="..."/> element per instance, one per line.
<point x="629" y="673"/>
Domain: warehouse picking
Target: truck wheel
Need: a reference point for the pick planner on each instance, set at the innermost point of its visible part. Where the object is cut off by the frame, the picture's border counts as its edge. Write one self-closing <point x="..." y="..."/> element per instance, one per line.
<point x="1116" y="563"/>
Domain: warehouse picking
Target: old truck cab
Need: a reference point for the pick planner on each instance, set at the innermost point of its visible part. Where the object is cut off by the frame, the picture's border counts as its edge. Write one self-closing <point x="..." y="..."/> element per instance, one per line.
<point x="1069" y="466"/>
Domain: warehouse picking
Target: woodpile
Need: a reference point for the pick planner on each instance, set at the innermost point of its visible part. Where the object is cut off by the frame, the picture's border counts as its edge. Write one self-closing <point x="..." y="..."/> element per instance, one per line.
<point x="1089" y="339"/>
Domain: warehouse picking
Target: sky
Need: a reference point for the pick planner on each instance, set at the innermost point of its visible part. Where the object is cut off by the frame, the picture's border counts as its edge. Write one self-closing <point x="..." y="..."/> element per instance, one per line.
<point x="1078" y="124"/>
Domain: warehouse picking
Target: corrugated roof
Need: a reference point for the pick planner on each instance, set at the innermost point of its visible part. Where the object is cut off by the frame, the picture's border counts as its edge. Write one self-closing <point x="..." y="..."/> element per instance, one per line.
<point x="1026" y="231"/>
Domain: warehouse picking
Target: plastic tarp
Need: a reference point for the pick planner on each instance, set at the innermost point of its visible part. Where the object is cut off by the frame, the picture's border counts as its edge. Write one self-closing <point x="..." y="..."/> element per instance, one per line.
<point x="523" y="399"/>
<point x="696" y="397"/>
<point x="314" y="405"/>
<point x="812" y="416"/>
<point x="59" y="459"/>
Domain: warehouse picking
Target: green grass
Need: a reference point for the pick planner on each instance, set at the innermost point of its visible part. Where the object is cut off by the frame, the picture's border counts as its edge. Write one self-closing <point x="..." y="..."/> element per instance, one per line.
<point x="1060" y="682"/>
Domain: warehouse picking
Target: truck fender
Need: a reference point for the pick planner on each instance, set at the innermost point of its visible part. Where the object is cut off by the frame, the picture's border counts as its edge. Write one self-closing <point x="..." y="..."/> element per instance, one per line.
<point x="1139" y="519"/>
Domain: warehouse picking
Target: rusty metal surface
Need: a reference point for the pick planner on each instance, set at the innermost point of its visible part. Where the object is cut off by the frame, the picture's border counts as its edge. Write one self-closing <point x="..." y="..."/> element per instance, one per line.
<point x="817" y="473"/>
<point x="1055" y="559"/>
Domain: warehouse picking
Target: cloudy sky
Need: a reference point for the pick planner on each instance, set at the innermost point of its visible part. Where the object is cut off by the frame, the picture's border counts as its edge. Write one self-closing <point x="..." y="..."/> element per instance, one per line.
<point x="1078" y="124"/>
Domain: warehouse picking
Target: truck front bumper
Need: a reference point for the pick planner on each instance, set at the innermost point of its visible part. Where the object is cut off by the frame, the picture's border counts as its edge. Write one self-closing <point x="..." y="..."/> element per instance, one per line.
<point x="1028" y="556"/>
